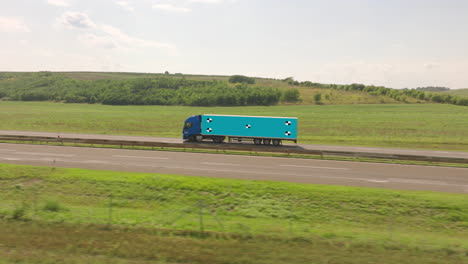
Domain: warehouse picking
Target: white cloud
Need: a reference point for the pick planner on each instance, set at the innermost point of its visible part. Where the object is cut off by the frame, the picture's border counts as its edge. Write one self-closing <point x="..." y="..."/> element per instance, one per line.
<point x="206" y="1"/>
<point x="171" y="8"/>
<point x="126" y="41"/>
<point x="76" y="20"/>
<point x="94" y="40"/>
<point x="58" y="2"/>
<point x="125" y="5"/>
<point x="13" y="25"/>
<point x="431" y="65"/>
<point x="183" y="6"/>
<point x="106" y="36"/>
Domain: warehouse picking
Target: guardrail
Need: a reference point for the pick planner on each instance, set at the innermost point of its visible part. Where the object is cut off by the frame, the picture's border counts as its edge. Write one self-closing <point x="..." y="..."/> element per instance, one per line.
<point x="236" y="147"/>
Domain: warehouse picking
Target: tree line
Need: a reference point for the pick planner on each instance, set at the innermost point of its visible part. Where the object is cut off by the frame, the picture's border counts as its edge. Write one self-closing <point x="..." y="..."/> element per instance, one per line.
<point x="46" y="86"/>
<point x="398" y="95"/>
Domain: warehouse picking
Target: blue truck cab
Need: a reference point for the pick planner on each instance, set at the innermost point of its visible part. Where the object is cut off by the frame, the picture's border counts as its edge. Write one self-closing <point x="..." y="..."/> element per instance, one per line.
<point x="192" y="128"/>
<point x="259" y="129"/>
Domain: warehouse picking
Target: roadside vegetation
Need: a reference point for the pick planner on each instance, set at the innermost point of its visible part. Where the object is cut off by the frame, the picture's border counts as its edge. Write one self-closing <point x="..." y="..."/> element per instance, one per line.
<point x="83" y="216"/>
<point x="420" y="126"/>
<point x="46" y="86"/>
<point x="192" y="90"/>
<point x="458" y="92"/>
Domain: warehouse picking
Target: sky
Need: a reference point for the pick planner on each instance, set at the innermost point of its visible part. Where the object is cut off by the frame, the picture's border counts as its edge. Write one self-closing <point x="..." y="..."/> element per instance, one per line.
<point x="393" y="43"/>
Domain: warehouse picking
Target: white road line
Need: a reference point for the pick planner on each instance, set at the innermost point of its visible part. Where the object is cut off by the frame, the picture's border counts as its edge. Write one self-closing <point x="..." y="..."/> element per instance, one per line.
<point x="139" y="157"/>
<point x="214" y="163"/>
<point x="314" y="167"/>
<point x="376" y="181"/>
<point x="96" y="162"/>
<point x="78" y="161"/>
<point x="45" y="154"/>
<point x="50" y="159"/>
<point x="420" y="181"/>
<point x="9" y="158"/>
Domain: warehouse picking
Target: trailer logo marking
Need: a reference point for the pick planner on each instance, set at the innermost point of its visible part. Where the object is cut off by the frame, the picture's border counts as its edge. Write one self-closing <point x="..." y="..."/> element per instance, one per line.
<point x="287" y="133"/>
<point x="247" y="126"/>
<point x="288" y="123"/>
<point x="209" y="120"/>
<point x="209" y="130"/>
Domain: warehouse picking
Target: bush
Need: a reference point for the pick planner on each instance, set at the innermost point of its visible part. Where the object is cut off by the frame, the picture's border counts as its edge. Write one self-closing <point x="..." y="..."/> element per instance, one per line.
<point x="291" y="96"/>
<point x="19" y="212"/>
<point x="318" y="98"/>
<point x="241" y="79"/>
<point x="53" y="206"/>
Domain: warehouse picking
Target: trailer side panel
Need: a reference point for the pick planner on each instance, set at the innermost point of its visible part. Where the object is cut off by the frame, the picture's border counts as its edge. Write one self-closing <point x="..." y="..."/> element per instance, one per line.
<point x="249" y="126"/>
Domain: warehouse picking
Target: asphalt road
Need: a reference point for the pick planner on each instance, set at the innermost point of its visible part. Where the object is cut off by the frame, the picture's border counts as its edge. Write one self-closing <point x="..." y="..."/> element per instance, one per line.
<point x="390" y="176"/>
<point x="453" y="154"/>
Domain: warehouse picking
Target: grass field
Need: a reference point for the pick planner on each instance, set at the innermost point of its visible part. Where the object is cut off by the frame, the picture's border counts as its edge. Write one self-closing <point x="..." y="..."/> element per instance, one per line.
<point x="83" y="216"/>
<point x="425" y="126"/>
<point x="458" y="92"/>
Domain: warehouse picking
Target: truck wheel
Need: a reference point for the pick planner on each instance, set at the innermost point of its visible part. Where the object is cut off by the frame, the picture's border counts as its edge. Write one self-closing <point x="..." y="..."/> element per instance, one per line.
<point x="266" y="141"/>
<point x="218" y="139"/>
<point x="276" y="142"/>
<point x="195" y="138"/>
<point x="257" y="141"/>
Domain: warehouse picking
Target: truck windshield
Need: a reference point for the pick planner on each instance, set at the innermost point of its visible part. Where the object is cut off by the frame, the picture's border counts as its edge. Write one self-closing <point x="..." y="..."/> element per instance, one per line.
<point x="188" y="125"/>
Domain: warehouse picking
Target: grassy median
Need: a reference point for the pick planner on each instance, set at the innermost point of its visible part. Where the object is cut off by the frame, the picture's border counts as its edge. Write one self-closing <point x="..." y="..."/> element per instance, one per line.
<point x="103" y="216"/>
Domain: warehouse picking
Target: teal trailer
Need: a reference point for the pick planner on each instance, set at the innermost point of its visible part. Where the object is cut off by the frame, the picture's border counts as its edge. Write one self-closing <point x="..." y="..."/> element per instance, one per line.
<point x="259" y="129"/>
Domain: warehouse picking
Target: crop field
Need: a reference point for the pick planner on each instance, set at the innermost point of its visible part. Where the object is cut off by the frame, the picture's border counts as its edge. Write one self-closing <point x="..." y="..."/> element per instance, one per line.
<point x="419" y="126"/>
<point x="84" y="216"/>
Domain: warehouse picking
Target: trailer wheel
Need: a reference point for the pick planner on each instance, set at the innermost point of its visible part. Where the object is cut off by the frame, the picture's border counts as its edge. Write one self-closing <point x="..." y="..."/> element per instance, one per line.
<point x="276" y="142"/>
<point x="257" y="141"/>
<point x="266" y="141"/>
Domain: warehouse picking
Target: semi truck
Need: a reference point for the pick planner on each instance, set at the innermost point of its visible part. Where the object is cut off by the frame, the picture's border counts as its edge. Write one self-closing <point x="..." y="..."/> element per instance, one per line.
<point x="259" y="129"/>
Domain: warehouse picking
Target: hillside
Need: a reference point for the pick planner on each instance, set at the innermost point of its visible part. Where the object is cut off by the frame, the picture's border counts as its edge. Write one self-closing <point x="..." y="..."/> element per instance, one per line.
<point x="458" y="92"/>
<point x="197" y="90"/>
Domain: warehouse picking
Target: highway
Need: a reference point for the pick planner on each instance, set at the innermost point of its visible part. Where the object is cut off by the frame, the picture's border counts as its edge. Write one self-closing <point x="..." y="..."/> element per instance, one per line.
<point x="404" y="177"/>
<point x="453" y="154"/>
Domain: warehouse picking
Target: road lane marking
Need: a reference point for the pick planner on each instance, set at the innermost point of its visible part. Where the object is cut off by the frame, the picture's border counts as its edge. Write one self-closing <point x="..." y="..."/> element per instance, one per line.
<point x="95" y="162"/>
<point x="302" y="175"/>
<point x="45" y="154"/>
<point x="9" y="158"/>
<point x="139" y="157"/>
<point x="78" y="161"/>
<point x="214" y="163"/>
<point x="414" y="181"/>
<point x="376" y="181"/>
<point x="314" y="167"/>
<point x="51" y="159"/>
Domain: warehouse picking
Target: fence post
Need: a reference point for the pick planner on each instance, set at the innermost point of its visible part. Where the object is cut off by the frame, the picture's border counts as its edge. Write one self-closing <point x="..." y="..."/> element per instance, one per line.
<point x="392" y="226"/>
<point x="200" y="212"/>
<point x="36" y="198"/>
<point x="110" y="211"/>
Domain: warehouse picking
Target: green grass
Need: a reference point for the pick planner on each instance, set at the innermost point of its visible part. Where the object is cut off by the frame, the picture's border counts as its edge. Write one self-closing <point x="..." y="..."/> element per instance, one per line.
<point x="458" y="92"/>
<point x="420" y="126"/>
<point x="274" y="219"/>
